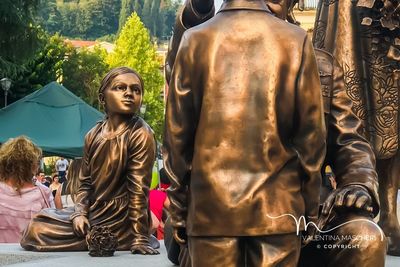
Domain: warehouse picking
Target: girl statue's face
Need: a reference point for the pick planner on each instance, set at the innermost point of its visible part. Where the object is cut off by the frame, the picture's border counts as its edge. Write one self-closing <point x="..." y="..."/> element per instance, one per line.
<point x="124" y="95"/>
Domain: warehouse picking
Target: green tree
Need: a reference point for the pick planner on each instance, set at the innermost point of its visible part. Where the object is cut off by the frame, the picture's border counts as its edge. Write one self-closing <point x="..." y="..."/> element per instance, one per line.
<point x="80" y="71"/>
<point x="44" y="68"/>
<point x="103" y="15"/>
<point x="94" y="19"/>
<point x="138" y="7"/>
<point x="146" y="13"/>
<point x="48" y="16"/>
<point x="127" y="7"/>
<point x="134" y="49"/>
<point x="69" y="14"/>
<point x="18" y="35"/>
<point x="167" y="18"/>
<point x="155" y="15"/>
<point x="89" y="19"/>
<point x="83" y="71"/>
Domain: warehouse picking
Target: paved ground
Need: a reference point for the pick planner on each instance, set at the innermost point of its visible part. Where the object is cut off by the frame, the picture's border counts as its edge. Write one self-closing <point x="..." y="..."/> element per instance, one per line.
<point x="392" y="261"/>
<point x="13" y="255"/>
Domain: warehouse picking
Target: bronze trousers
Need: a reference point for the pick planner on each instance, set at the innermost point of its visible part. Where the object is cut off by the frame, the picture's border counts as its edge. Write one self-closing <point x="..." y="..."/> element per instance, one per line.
<point x="357" y="243"/>
<point x="257" y="251"/>
<point x="389" y="182"/>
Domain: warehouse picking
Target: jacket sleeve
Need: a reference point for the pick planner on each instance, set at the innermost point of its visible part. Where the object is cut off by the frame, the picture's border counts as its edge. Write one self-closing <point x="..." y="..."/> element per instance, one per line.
<point x="310" y="133"/>
<point x="180" y="128"/>
<point x="82" y="200"/>
<point x="142" y="151"/>
<point x="349" y="154"/>
<point x="187" y="18"/>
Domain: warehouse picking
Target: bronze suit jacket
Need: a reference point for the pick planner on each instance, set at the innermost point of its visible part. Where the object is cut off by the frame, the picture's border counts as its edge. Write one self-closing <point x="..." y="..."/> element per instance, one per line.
<point x="348" y="152"/>
<point x="244" y="136"/>
<point x="187" y="18"/>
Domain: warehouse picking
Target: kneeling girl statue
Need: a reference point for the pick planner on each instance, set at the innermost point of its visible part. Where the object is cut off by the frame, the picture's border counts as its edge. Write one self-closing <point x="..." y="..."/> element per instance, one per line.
<point x="114" y="180"/>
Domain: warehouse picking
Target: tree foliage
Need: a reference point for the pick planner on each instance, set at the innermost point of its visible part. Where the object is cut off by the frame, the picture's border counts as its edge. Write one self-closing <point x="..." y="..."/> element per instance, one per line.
<point x="79" y="71"/>
<point x="88" y="19"/>
<point x="92" y="19"/>
<point x="18" y="35"/>
<point x="134" y="49"/>
<point x="127" y="7"/>
<point x="32" y="58"/>
<point x="45" y="67"/>
<point x="159" y="16"/>
<point x="83" y="71"/>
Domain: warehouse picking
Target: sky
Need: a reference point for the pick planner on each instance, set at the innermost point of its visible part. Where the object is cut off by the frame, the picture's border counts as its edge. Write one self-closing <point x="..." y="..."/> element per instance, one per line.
<point x="217" y="4"/>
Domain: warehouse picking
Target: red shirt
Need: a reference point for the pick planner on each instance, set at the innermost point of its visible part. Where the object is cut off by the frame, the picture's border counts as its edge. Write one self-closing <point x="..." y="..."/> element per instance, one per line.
<point x="157" y="199"/>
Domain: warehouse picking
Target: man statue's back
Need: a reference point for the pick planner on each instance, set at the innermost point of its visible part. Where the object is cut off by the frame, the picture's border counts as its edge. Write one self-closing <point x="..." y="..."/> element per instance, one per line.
<point x="244" y="138"/>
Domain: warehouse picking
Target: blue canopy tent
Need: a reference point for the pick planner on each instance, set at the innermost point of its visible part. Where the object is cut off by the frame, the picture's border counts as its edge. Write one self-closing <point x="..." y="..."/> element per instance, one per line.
<point x="54" y="118"/>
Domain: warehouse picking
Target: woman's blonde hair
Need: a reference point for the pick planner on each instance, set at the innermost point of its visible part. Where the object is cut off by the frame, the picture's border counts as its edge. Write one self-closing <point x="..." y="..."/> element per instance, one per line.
<point x="19" y="158"/>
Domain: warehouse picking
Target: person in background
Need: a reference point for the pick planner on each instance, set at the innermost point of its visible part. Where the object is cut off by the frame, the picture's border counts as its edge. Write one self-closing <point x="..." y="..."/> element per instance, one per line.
<point x="61" y="167"/>
<point x="44" y="182"/>
<point x="47" y="181"/>
<point x="40" y="177"/>
<point x="158" y="201"/>
<point x="55" y="184"/>
<point x="164" y="181"/>
<point x="68" y="189"/>
<point x="20" y="198"/>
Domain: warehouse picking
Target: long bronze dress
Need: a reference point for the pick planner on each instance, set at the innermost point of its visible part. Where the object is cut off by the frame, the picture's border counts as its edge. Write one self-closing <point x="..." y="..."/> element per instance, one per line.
<point x="114" y="186"/>
<point x="364" y="38"/>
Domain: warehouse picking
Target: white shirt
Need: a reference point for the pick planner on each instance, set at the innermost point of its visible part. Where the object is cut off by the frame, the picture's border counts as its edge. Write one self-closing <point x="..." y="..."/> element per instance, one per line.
<point x="61" y="165"/>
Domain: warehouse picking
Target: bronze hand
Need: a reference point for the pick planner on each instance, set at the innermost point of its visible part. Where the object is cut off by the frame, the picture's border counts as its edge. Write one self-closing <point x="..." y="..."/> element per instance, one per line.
<point x="349" y="197"/>
<point x="180" y="235"/>
<point x="80" y="225"/>
<point x="144" y="250"/>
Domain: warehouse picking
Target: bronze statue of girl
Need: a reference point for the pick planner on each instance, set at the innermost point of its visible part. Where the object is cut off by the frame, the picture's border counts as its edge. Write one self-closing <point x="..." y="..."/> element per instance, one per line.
<point x="119" y="153"/>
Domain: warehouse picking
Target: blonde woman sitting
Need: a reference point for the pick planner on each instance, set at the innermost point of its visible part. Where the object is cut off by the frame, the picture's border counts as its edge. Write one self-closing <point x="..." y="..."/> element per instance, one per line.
<point x="20" y="198"/>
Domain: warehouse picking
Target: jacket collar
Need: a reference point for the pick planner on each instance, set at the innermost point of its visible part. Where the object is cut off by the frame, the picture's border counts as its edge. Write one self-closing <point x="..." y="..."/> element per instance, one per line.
<point x="258" y="5"/>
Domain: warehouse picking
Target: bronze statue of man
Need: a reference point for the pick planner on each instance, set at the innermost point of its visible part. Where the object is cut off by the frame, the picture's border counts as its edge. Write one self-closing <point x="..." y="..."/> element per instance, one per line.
<point x="244" y="138"/>
<point x="364" y="38"/>
<point x="348" y="153"/>
<point x="114" y="180"/>
<point x="348" y="210"/>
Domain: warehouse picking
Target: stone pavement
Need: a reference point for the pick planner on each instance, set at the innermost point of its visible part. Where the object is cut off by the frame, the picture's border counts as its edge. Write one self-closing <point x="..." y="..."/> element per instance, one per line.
<point x="13" y="255"/>
<point x="390" y="261"/>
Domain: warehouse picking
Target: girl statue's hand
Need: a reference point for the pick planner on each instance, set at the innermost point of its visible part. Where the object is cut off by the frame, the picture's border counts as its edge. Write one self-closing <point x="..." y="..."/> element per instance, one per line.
<point x="81" y="225"/>
<point x="144" y="250"/>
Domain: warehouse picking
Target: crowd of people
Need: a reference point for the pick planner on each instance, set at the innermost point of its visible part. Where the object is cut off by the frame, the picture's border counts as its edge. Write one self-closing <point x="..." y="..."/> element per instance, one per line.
<point x="25" y="189"/>
<point x="35" y="207"/>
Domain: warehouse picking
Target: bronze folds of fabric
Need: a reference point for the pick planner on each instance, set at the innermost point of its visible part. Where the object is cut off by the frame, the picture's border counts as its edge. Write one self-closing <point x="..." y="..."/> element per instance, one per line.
<point x="113" y="192"/>
<point x="366" y="50"/>
<point x="187" y="17"/>
<point x="245" y="137"/>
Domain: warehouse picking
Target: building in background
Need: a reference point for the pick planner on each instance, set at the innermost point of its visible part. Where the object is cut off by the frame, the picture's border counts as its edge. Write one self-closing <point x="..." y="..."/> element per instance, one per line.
<point x="78" y="44"/>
